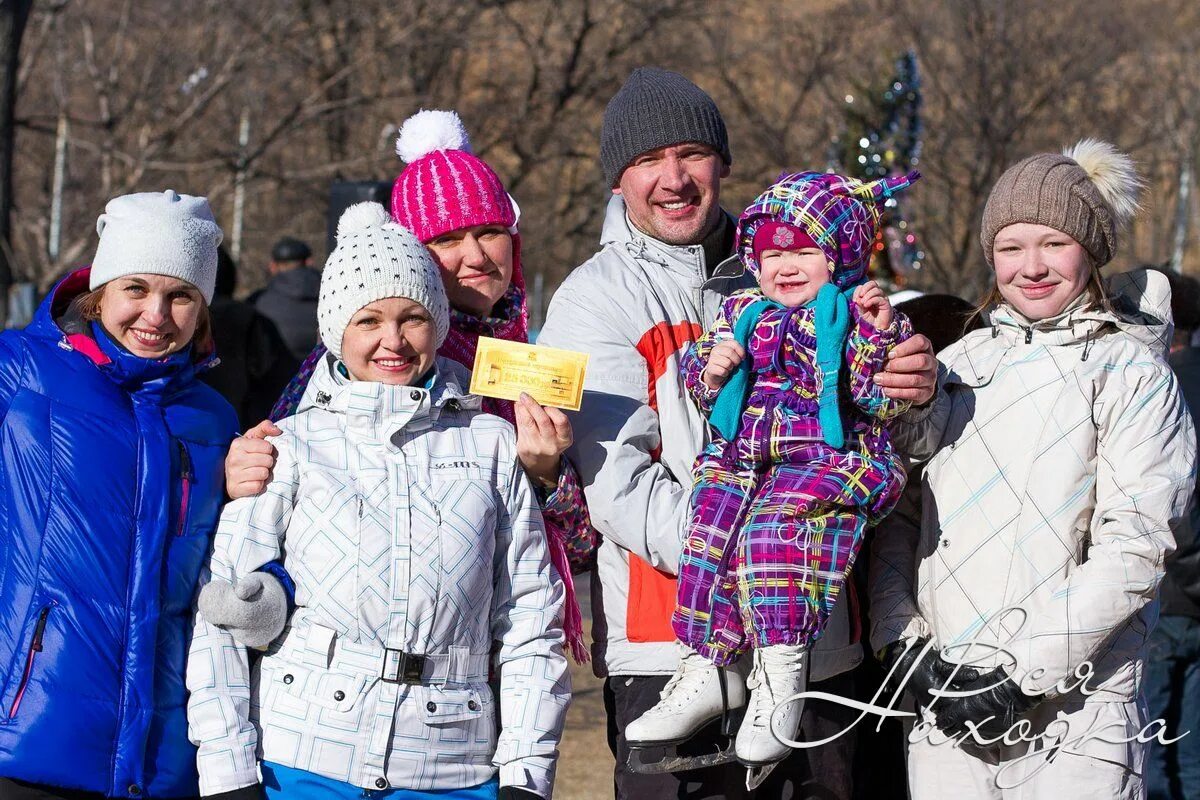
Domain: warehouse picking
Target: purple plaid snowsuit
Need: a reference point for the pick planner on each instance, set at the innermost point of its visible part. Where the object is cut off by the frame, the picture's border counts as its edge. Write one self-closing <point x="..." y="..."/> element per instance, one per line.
<point x="777" y="514"/>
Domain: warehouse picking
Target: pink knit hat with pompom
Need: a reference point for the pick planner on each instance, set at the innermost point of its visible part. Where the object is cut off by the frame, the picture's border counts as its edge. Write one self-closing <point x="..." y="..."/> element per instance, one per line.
<point x="445" y="187"/>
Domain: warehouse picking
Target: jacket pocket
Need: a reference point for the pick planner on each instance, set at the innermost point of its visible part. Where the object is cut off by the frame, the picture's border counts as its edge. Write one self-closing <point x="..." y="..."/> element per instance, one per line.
<point x="462" y="721"/>
<point x="463" y="503"/>
<point x="453" y="705"/>
<point x="336" y="691"/>
<point x="34" y="647"/>
<point x="187" y="479"/>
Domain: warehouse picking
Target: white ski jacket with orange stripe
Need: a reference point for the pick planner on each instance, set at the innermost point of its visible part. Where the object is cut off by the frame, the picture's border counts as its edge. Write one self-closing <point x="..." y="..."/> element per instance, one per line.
<point x="634" y="308"/>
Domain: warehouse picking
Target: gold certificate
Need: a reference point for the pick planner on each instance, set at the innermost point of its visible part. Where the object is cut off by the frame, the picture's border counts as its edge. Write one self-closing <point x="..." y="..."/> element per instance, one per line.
<point x="505" y="369"/>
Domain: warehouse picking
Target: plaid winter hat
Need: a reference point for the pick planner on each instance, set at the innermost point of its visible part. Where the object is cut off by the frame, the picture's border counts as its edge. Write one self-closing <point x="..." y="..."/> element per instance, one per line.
<point x="841" y="215"/>
<point x="445" y="187"/>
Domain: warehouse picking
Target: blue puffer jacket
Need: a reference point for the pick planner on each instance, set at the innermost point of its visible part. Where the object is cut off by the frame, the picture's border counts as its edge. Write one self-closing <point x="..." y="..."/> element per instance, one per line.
<point x="111" y="482"/>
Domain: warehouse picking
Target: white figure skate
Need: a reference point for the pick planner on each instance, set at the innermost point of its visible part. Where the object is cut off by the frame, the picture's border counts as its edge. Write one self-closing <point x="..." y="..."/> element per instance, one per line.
<point x="780" y="672"/>
<point x="698" y="695"/>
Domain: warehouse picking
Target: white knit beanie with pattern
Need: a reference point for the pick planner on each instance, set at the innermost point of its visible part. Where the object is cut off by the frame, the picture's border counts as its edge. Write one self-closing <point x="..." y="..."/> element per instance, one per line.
<point x="376" y="258"/>
<point x="158" y="233"/>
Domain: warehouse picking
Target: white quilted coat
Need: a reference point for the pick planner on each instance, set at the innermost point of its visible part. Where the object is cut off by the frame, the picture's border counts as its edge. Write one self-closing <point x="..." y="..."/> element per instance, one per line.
<point x="1062" y="456"/>
<point x="407" y="523"/>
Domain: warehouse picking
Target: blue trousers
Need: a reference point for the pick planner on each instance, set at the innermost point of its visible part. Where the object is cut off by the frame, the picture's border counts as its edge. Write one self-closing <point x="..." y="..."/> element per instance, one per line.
<point x="286" y="783"/>
<point x="1173" y="694"/>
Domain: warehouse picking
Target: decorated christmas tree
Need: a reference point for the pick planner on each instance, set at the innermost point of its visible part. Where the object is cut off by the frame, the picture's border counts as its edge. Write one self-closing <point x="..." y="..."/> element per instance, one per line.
<point x="882" y="136"/>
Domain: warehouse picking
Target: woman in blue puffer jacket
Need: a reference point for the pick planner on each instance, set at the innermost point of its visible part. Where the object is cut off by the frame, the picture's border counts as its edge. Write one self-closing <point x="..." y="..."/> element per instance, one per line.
<point x="111" y="483"/>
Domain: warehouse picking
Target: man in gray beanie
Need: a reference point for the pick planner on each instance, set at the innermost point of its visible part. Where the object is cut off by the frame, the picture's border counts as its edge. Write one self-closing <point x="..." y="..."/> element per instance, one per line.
<point x="663" y="270"/>
<point x="657" y="108"/>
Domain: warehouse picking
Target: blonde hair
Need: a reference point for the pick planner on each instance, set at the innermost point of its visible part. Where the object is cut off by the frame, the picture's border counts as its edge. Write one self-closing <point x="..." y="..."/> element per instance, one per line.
<point x="87" y="305"/>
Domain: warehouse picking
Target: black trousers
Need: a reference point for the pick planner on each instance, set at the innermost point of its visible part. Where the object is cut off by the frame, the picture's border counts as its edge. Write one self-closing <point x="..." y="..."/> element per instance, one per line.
<point x="20" y="790"/>
<point x="819" y="773"/>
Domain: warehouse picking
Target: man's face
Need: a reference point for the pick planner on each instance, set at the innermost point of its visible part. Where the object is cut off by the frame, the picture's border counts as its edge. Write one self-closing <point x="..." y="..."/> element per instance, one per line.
<point x="673" y="193"/>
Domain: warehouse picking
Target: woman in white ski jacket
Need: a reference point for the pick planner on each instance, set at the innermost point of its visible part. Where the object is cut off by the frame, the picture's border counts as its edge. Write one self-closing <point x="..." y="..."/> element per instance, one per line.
<point x="419" y="560"/>
<point x="1060" y="454"/>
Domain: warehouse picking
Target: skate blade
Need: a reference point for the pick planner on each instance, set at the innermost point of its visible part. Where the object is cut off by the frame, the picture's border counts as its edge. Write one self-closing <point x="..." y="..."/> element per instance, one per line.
<point x="756" y="774"/>
<point x="658" y="760"/>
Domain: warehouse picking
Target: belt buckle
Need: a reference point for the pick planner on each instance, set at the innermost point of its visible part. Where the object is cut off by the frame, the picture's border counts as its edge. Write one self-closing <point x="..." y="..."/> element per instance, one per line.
<point x="409" y="669"/>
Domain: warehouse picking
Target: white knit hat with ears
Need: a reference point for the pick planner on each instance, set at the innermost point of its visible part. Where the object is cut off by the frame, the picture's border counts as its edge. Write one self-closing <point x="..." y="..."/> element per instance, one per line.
<point x="158" y="233"/>
<point x="375" y="258"/>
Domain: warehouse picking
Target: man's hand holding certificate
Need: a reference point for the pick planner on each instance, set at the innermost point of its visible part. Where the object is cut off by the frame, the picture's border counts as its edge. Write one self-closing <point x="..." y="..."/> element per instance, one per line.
<point x="506" y="369"/>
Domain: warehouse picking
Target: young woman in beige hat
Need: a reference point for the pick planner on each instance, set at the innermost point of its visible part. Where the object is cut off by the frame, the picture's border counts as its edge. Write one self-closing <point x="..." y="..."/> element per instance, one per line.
<point x="1060" y="454"/>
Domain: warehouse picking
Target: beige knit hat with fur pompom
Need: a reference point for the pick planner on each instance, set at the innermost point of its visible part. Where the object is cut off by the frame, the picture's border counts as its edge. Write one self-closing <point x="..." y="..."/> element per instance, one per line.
<point x="1089" y="192"/>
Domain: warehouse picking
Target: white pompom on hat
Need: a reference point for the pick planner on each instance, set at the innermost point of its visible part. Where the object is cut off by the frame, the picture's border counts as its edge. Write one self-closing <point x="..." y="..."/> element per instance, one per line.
<point x="158" y="233"/>
<point x="375" y="258"/>
<point x="428" y="131"/>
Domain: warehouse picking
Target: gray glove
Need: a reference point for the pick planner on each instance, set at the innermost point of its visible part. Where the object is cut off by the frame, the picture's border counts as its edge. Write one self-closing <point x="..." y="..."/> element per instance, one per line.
<point x="254" y="610"/>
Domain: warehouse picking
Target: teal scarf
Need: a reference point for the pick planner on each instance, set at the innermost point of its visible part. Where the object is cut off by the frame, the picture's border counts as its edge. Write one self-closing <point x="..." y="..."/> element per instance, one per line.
<point x="831" y="320"/>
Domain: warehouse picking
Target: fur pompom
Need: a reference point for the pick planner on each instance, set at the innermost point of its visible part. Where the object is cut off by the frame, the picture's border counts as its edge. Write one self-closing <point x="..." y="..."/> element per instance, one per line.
<point x="1114" y="174"/>
<point x="362" y="217"/>
<point x="427" y="131"/>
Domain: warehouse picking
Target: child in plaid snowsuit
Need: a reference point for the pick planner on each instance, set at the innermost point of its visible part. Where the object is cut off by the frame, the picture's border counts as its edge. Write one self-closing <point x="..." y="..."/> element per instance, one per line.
<point x="784" y="492"/>
<point x="800" y="465"/>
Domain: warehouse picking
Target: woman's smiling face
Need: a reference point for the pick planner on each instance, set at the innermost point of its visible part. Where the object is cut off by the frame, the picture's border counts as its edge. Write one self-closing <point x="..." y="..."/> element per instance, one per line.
<point x="151" y="316"/>
<point x="476" y="266"/>
<point x="1039" y="270"/>
<point x="393" y="341"/>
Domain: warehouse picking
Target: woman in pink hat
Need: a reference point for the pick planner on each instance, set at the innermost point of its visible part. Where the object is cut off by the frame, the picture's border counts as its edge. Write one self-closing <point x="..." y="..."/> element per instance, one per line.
<point x="457" y="206"/>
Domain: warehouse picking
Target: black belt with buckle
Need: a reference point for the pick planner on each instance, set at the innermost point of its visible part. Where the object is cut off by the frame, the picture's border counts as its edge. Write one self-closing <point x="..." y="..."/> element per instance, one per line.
<point x="409" y="667"/>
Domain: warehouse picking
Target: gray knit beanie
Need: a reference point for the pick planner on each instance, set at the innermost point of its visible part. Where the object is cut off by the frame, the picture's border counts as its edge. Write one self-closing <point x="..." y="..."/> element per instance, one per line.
<point x="657" y="108"/>
<point x="1089" y="192"/>
<point x="376" y="258"/>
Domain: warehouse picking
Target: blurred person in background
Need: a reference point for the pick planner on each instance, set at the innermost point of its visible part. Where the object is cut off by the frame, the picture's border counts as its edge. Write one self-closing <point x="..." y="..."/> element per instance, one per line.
<point x="254" y="363"/>
<point x="290" y="297"/>
<point x="1173" y="666"/>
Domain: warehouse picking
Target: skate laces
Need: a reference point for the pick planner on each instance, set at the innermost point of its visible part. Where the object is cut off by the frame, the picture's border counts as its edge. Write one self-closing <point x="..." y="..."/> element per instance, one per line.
<point x="782" y="660"/>
<point x="692" y="666"/>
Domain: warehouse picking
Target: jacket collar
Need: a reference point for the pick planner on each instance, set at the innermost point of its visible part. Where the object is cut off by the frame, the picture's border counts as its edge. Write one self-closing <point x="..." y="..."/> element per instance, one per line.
<point x="1074" y="323"/>
<point x="687" y="261"/>
<point x="378" y="411"/>
<point x="1140" y="301"/>
<point x="299" y="283"/>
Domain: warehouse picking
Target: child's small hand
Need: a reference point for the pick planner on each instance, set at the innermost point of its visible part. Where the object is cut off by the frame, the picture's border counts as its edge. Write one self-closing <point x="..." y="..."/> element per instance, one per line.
<point x="874" y="305"/>
<point x="722" y="361"/>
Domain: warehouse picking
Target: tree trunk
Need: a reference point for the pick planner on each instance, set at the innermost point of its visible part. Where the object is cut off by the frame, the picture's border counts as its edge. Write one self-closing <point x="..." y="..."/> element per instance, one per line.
<point x="13" y="16"/>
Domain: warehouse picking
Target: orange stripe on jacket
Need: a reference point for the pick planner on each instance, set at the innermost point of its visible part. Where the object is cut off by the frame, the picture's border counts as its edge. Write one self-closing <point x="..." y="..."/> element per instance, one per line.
<point x="652" y="593"/>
